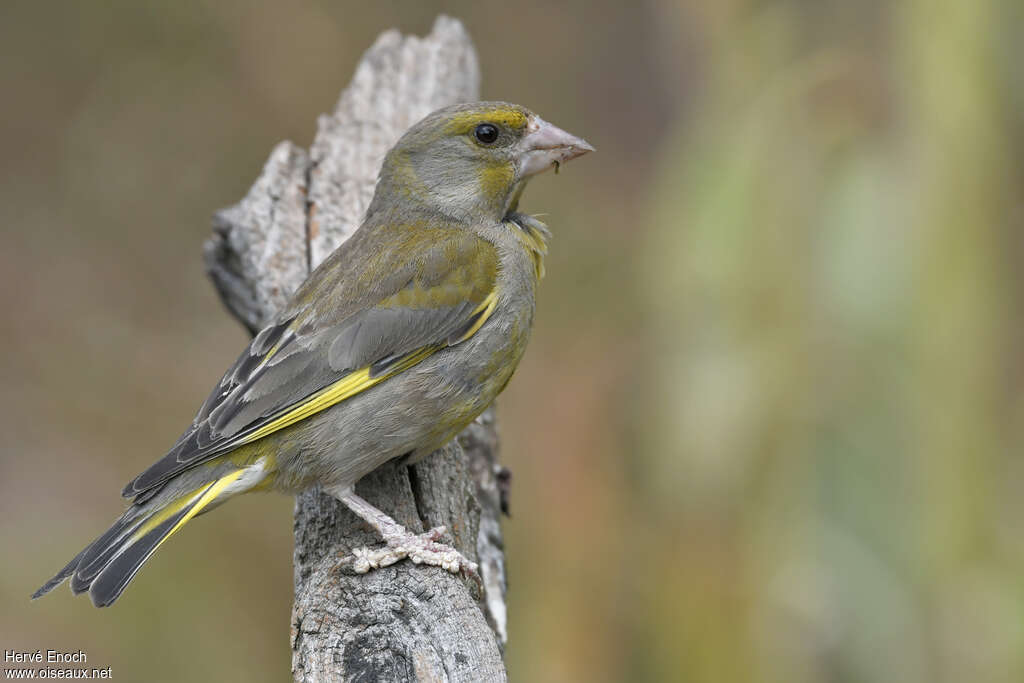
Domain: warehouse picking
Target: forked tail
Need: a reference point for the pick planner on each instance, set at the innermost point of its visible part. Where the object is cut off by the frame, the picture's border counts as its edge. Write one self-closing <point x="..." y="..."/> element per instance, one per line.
<point x="110" y="562"/>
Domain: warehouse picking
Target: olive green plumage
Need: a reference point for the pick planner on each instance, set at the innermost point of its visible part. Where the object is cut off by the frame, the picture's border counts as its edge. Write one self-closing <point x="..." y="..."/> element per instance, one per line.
<point x="394" y="344"/>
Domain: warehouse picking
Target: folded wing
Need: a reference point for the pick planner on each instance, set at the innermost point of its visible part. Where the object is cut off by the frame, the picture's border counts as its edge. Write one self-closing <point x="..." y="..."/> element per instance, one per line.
<point x="327" y="347"/>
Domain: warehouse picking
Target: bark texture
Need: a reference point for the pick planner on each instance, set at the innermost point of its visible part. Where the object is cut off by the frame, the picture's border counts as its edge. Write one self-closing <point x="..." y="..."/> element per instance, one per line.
<point x="404" y="622"/>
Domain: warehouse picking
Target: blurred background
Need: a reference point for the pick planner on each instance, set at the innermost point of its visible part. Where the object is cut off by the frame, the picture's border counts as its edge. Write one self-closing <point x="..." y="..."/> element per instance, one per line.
<point x="770" y="424"/>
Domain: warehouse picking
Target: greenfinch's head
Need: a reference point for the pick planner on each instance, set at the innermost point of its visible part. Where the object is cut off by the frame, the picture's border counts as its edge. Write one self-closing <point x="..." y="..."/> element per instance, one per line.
<point x="470" y="160"/>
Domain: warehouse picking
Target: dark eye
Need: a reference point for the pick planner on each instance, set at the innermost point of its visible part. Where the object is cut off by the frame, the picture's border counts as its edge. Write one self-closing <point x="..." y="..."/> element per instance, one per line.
<point x="486" y="133"/>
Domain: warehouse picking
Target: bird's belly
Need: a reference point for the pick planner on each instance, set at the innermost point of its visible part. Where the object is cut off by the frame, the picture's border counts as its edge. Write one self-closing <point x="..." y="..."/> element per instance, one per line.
<point x="411" y="414"/>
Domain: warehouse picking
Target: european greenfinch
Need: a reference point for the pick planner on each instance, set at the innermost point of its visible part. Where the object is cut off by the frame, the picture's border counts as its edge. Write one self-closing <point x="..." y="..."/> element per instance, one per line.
<point x="393" y="345"/>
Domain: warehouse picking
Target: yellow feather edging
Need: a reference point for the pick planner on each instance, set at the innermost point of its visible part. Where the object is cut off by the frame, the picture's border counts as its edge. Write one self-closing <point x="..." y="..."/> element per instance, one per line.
<point x="346" y="387"/>
<point x="361" y="380"/>
<point x="197" y="499"/>
<point x="484" y="310"/>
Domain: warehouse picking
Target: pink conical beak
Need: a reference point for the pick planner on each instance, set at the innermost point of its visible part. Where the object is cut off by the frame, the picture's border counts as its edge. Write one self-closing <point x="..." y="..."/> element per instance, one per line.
<point x="547" y="146"/>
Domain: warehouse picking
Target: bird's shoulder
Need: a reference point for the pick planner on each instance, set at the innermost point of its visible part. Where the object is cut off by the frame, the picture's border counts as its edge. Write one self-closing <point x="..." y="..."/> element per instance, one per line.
<point x="414" y="263"/>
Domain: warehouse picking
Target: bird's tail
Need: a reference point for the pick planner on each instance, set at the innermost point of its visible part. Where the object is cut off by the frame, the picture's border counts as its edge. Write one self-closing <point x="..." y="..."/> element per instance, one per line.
<point x="110" y="562"/>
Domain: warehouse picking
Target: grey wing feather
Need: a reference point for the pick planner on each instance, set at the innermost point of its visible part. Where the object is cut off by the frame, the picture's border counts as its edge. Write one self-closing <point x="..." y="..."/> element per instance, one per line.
<point x="291" y="359"/>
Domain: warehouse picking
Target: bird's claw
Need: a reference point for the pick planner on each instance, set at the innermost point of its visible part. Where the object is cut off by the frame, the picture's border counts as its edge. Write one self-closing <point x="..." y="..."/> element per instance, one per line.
<point x="420" y="548"/>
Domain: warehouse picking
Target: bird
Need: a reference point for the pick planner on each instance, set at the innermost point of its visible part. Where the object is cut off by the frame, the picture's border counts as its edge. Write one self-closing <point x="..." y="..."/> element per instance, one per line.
<point x="397" y="341"/>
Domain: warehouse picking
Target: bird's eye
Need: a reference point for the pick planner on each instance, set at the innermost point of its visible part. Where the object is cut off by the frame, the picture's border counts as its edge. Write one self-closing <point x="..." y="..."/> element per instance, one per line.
<point x="486" y="133"/>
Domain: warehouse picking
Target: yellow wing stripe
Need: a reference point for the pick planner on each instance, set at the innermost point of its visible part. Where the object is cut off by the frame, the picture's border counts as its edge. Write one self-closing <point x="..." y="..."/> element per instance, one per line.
<point x="361" y="380"/>
<point x="346" y="387"/>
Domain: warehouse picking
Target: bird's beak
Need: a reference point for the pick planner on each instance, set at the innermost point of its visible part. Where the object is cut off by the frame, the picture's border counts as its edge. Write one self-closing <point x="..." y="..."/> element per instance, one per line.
<point x="545" y="146"/>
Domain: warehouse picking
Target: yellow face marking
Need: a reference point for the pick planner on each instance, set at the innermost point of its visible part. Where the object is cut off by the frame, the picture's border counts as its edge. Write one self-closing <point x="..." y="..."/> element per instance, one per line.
<point x="467" y="121"/>
<point x="496" y="179"/>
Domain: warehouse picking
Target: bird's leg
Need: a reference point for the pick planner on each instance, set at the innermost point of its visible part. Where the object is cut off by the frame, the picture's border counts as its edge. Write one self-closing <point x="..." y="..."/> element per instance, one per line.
<point x="401" y="543"/>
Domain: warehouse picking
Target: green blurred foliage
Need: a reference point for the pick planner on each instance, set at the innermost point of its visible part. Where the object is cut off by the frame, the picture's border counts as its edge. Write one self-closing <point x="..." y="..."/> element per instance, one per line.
<point x="769" y="425"/>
